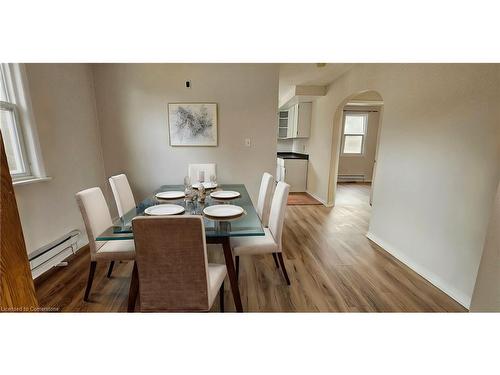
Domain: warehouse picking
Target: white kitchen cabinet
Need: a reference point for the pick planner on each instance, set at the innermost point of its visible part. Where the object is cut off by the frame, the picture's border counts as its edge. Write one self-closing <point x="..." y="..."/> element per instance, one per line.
<point x="283" y="125"/>
<point x="295" y="122"/>
<point x="293" y="172"/>
<point x="301" y="127"/>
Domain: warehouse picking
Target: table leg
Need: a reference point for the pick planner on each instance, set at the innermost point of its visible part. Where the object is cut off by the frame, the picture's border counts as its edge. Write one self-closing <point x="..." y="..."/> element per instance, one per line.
<point x="231" y="272"/>
<point x="134" y="289"/>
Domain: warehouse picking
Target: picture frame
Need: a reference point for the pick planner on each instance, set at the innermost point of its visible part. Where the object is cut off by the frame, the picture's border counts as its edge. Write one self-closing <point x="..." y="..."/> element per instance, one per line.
<point x="193" y="124"/>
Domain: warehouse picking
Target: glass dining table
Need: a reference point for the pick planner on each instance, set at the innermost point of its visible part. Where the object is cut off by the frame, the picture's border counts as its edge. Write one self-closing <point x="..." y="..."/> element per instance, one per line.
<point x="216" y="231"/>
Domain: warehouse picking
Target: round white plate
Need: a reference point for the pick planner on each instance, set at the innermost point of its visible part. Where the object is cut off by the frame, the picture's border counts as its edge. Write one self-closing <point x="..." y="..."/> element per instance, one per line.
<point x="225" y="194"/>
<point x="170" y="195"/>
<point x="164" y="209"/>
<point x="223" y="211"/>
<point x="207" y="185"/>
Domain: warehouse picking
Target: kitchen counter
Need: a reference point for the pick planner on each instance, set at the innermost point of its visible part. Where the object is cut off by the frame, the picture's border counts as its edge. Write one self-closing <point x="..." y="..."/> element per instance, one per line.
<point x="292" y="155"/>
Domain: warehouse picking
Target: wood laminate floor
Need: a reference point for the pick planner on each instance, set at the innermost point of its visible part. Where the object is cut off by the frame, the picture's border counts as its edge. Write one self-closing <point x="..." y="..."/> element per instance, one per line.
<point x="332" y="267"/>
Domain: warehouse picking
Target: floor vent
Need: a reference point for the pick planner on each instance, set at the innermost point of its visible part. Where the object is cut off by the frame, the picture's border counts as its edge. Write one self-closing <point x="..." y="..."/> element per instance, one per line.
<point x="53" y="254"/>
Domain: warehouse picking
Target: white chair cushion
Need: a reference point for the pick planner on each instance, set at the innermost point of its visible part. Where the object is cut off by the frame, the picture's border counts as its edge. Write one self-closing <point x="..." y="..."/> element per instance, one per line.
<point x="123" y="194"/>
<point x="255" y="244"/>
<point x="264" y="201"/>
<point x="216" y="275"/>
<point x="194" y="170"/>
<point x="117" y="250"/>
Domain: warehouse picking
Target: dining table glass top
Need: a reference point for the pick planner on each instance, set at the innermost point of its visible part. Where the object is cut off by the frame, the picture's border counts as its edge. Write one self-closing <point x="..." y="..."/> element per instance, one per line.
<point x="248" y="224"/>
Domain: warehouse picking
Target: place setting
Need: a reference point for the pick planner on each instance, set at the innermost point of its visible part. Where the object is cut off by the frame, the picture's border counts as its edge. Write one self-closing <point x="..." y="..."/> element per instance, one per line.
<point x="170" y="195"/>
<point x="224" y="212"/>
<point x="164" y="210"/>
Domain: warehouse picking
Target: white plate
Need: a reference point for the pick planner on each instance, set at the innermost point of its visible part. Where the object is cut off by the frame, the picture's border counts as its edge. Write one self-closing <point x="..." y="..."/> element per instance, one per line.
<point x="207" y="185"/>
<point x="164" y="209"/>
<point x="225" y="194"/>
<point x="170" y="195"/>
<point x="223" y="210"/>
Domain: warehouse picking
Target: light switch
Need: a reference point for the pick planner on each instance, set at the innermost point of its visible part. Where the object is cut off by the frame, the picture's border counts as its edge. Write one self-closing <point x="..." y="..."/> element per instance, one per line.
<point x="248" y="143"/>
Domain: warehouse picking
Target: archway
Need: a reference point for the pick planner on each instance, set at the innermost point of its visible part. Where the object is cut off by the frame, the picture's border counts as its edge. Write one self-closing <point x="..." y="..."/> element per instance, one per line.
<point x="358" y="160"/>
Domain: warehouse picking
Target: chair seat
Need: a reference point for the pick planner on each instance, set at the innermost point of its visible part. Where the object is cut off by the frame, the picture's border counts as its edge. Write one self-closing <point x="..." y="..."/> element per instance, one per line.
<point x="255" y="244"/>
<point x="216" y="275"/>
<point x="116" y="250"/>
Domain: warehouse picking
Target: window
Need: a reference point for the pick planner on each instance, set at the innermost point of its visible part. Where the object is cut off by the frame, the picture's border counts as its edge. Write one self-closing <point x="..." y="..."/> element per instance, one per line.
<point x="16" y="125"/>
<point x="353" y="138"/>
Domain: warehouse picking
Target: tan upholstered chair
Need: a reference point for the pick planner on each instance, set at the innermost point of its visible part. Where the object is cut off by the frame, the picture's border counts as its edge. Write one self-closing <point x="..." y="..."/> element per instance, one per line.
<point x="123" y="194"/>
<point x="271" y="241"/>
<point x="172" y="269"/>
<point x="95" y="213"/>
<point x="194" y="170"/>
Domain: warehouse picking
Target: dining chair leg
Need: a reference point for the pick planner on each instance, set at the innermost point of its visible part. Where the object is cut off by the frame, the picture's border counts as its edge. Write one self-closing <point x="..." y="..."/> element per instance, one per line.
<point x="276" y="260"/>
<point x="89" y="280"/>
<point x="221" y="298"/>
<point x="237" y="258"/>
<point x="283" y="268"/>
<point x="111" y="265"/>
<point x="231" y="273"/>
<point x="134" y="289"/>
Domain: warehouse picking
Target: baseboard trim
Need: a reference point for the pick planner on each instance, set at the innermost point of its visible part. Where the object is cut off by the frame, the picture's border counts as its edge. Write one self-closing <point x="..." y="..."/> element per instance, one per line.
<point x="422" y="271"/>
<point x="323" y="202"/>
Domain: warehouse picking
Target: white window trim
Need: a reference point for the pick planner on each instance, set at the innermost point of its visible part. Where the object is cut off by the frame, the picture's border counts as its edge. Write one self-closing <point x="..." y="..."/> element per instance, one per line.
<point x="15" y="75"/>
<point x="362" y="153"/>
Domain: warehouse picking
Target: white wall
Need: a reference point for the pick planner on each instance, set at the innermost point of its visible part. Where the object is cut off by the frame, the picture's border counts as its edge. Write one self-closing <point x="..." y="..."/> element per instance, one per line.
<point x="438" y="163"/>
<point x="486" y="295"/>
<point x="132" y="110"/>
<point x="363" y="164"/>
<point x="63" y="102"/>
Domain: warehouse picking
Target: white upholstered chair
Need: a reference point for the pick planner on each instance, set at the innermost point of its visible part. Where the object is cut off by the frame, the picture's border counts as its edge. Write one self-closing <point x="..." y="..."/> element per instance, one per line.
<point x="194" y="170"/>
<point x="265" y="195"/>
<point x="171" y="271"/>
<point x="271" y="241"/>
<point x="123" y="193"/>
<point x="95" y="213"/>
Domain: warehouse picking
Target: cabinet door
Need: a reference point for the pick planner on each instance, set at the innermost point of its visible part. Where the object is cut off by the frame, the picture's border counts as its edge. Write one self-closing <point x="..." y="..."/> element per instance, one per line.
<point x="283" y="124"/>
<point x="296" y="174"/>
<point x="292" y="122"/>
<point x="303" y="115"/>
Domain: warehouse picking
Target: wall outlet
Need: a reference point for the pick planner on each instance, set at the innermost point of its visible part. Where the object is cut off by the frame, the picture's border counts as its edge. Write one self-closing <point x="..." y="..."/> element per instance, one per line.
<point x="248" y="143"/>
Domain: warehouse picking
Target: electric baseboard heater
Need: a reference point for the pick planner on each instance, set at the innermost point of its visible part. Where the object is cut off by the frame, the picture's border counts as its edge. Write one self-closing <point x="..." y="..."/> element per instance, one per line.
<point x="53" y="254"/>
<point x="351" y="178"/>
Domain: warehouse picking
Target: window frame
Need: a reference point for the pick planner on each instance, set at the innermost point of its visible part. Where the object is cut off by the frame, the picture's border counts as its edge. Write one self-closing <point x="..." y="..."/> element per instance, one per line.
<point x="363" y="136"/>
<point x="19" y="101"/>
<point x="26" y="165"/>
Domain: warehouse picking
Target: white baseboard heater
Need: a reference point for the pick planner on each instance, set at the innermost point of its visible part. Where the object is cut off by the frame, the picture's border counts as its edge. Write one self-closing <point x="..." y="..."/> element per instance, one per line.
<point x="53" y="254"/>
<point x="351" y="178"/>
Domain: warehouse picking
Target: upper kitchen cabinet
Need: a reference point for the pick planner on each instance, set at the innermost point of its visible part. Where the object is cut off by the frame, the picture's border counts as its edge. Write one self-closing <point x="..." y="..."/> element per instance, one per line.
<point x="295" y="122"/>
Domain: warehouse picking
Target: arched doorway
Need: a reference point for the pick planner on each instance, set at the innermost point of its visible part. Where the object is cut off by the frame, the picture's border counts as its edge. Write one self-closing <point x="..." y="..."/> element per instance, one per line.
<point x="356" y="134"/>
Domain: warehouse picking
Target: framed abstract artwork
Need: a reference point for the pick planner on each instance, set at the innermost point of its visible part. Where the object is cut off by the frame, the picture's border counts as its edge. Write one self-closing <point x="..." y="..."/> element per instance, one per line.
<point x="192" y="124"/>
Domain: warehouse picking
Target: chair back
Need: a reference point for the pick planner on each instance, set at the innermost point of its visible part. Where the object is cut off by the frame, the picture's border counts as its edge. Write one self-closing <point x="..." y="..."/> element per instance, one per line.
<point x="264" y="201"/>
<point x="123" y="194"/>
<point x="95" y="214"/>
<point x="277" y="213"/>
<point x="171" y="259"/>
<point x="194" y="171"/>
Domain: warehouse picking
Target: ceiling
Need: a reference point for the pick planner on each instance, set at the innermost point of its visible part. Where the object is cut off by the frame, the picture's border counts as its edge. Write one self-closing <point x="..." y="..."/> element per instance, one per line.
<point x="309" y="74"/>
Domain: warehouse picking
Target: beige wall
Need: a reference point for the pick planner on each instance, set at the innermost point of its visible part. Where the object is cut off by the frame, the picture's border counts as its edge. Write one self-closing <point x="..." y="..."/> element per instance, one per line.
<point x="486" y="295"/>
<point x="132" y="110"/>
<point x="63" y="102"/>
<point x="438" y="163"/>
<point x="363" y="164"/>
